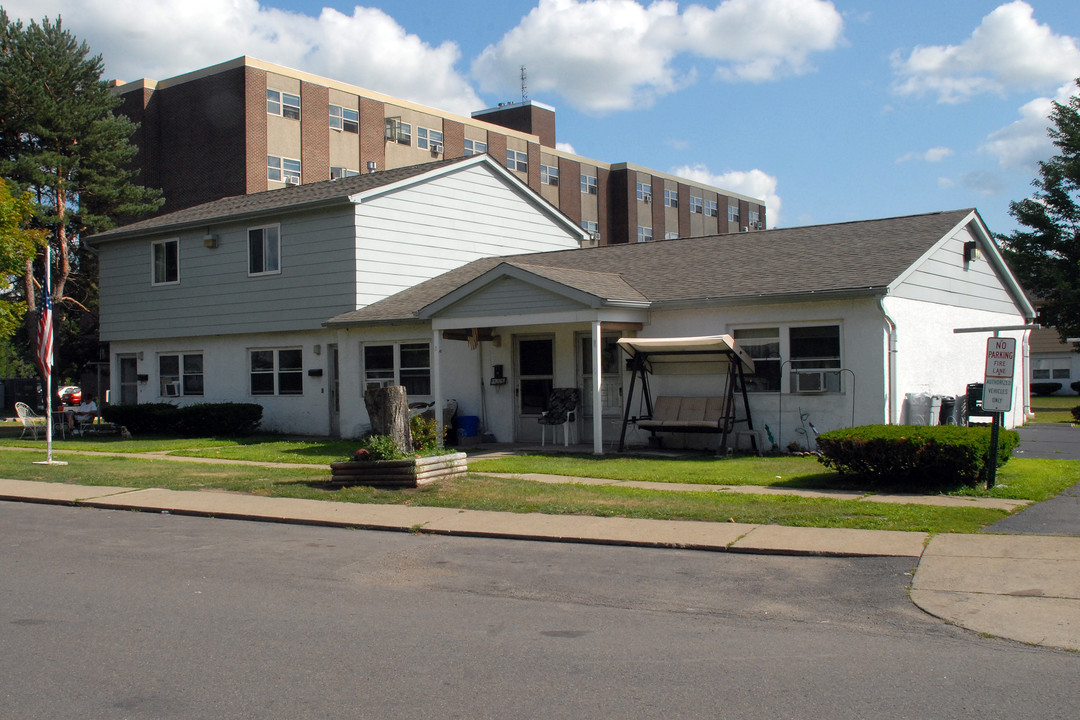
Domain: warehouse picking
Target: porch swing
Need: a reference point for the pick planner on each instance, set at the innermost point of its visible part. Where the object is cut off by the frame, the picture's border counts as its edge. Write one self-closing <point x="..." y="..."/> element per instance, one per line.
<point x="714" y="414"/>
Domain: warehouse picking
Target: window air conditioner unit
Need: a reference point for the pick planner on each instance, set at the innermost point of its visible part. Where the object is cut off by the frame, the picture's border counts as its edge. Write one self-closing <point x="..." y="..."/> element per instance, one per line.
<point x="810" y="381"/>
<point x="595" y="236"/>
<point x="647" y="198"/>
<point x="292" y="180"/>
<point x="436" y="147"/>
<point x="172" y="389"/>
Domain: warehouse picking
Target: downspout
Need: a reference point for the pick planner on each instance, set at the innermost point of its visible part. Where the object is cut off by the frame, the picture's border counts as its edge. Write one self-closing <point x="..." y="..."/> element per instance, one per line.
<point x="890" y="329"/>
<point x="1025" y="376"/>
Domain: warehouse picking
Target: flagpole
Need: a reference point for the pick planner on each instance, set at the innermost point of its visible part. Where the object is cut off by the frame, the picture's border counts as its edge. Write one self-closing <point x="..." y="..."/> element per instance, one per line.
<point x="47" y="362"/>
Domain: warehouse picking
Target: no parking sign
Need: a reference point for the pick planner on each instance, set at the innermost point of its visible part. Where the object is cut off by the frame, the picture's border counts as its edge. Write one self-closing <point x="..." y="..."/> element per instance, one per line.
<point x="998" y="384"/>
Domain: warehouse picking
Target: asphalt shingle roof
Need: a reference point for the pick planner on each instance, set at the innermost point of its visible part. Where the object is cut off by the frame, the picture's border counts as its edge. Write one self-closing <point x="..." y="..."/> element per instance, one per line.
<point x="817" y="259"/>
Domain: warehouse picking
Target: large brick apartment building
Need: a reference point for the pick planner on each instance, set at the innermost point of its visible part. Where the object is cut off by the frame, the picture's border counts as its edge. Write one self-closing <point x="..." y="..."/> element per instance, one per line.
<point x="245" y="126"/>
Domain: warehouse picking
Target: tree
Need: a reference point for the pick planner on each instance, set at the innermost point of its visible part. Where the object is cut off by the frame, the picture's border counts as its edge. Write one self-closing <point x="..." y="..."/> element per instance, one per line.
<point x="1046" y="257"/>
<point x="18" y="245"/>
<point x="61" y="140"/>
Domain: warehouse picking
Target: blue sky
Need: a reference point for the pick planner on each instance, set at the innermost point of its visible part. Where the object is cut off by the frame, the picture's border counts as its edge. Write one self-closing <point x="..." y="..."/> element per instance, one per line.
<point x="831" y="111"/>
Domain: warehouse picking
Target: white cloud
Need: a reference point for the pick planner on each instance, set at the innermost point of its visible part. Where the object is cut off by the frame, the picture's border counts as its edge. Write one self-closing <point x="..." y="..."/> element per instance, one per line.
<point x="565" y="147"/>
<point x="1009" y="50"/>
<point x="933" y="155"/>
<point x="1022" y="144"/>
<point x="753" y="183"/>
<point x="608" y="55"/>
<point x="367" y="48"/>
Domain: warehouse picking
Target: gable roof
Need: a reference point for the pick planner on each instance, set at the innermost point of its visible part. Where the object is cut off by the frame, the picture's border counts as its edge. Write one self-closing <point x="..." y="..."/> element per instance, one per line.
<point x="863" y="257"/>
<point x="342" y="191"/>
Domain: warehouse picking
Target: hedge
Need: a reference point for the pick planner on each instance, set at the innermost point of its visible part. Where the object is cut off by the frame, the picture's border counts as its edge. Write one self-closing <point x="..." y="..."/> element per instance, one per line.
<point x="211" y="419"/>
<point x="914" y="457"/>
<point x="1045" y="388"/>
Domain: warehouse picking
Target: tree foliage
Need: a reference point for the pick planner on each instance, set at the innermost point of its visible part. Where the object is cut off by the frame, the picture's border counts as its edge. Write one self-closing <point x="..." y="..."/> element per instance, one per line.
<point x="1046" y="255"/>
<point x="61" y="140"/>
<point x="18" y="245"/>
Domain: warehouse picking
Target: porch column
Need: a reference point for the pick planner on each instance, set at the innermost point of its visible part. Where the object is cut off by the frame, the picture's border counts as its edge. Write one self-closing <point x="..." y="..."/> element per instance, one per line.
<point x="597" y="399"/>
<point x="436" y="381"/>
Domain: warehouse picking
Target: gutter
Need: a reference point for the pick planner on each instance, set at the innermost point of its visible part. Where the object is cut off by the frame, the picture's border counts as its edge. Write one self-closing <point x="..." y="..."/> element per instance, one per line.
<point x="890" y="329"/>
<point x="768" y="299"/>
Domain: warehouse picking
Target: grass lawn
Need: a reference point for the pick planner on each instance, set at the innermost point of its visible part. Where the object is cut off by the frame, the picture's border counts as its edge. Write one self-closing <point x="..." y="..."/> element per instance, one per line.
<point x="1054" y="408"/>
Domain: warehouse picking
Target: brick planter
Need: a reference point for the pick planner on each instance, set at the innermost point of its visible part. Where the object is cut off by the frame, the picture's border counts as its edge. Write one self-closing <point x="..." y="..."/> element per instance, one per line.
<point x="398" y="473"/>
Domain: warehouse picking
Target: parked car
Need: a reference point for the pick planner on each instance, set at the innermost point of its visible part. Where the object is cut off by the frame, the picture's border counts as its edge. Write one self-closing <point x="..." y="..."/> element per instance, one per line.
<point x="70" y="395"/>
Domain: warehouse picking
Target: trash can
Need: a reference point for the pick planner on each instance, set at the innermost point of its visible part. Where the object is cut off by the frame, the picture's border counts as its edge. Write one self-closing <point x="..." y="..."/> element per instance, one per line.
<point x="974" y="399"/>
<point x="917" y="407"/>
<point x="948" y="406"/>
<point x="468" y="429"/>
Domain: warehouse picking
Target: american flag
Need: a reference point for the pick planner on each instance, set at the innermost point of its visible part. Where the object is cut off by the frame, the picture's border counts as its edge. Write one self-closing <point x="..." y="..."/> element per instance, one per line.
<point x="45" y="335"/>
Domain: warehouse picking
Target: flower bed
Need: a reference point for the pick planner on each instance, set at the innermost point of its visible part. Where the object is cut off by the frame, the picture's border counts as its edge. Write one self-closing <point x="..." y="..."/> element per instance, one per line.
<point x="411" y="472"/>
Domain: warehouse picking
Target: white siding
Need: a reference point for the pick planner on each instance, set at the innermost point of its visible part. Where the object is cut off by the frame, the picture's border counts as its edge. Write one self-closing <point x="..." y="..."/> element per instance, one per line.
<point x="511" y="297"/>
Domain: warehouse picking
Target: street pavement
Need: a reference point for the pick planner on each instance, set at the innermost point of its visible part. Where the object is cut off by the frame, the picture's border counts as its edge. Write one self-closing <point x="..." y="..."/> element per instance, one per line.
<point x="1023" y="586"/>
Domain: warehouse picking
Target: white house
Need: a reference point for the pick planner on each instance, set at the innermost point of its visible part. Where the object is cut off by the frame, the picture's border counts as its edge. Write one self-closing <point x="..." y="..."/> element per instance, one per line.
<point x="847" y="324"/>
<point x="226" y="301"/>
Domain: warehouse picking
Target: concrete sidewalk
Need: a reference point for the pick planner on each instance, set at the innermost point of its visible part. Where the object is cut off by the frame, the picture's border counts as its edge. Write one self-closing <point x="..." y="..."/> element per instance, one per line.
<point x="1022" y="588"/>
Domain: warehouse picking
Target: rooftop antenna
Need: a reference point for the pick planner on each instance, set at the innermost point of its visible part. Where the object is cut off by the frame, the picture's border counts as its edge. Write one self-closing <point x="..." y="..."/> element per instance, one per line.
<point x="524" y="88"/>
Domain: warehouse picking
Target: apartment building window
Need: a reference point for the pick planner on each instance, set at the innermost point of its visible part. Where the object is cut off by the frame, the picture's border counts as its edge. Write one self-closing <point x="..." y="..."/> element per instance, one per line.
<point x="283" y="104"/>
<point x="264" y="250"/>
<point x="733" y="213"/>
<point x="283" y="169"/>
<point x="407" y="364"/>
<point x="755" y="219"/>
<point x="180" y="374"/>
<point x="517" y="161"/>
<point x="549" y="175"/>
<point x="165" y="259"/>
<point x="644" y="192"/>
<point x="344" y="119"/>
<point x="712" y="209"/>
<point x="671" y="198"/>
<point x="397" y="131"/>
<point x="336" y="173"/>
<point x="475" y="147"/>
<point x="277" y="372"/>
<point x="428" y="139"/>
<point x="696" y="205"/>
<point x="671" y="236"/>
<point x="588" y="185"/>
<point x="592" y="227"/>
<point x="644" y="234"/>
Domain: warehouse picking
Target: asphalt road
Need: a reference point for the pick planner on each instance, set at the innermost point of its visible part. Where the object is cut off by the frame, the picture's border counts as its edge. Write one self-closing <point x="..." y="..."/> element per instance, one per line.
<point x="110" y="614"/>
<point x="1060" y="515"/>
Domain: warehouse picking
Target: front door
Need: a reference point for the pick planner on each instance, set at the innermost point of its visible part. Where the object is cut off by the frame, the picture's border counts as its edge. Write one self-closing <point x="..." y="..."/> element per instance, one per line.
<point x="535" y="376"/>
<point x="332" y="385"/>
<point x="129" y="379"/>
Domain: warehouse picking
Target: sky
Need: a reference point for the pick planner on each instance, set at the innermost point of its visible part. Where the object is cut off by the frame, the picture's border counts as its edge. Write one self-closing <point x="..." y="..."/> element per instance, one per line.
<point x="829" y="111"/>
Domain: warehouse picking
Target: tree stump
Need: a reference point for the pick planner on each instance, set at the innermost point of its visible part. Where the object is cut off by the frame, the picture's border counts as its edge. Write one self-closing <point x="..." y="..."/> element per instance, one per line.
<point x="388" y="409"/>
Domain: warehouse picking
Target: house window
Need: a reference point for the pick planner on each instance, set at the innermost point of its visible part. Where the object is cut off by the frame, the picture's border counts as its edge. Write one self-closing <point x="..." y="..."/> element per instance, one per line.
<point x="644" y="192"/>
<point x="695" y="205"/>
<point x="277" y="372"/>
<point x="407" y="364"/>
<point x="815" y="358"/>
<point x="549" y="175"/>
<point x="283" y="104"/>
<point x="712" y="209"/>
<point x="671" y="198"/>
<point x="283" y="169"/>
<point x="1050" y="368"/>
<point x="644" y="234"/>
<point x="475" y="147"/>
<point x="397" y="131"/>
<point x="344" y="119"/>
<point x="336" y="173"/>
<point x="763" y="345"/>
<point x="165" y="257"/>
<point x="733" y="213"/>
<point x="588" y="185"/>
<point x="180" y="374"/>
<point x="264" y="250"/>
<point x="428" y="139"/>
<point x="517" y="161"/>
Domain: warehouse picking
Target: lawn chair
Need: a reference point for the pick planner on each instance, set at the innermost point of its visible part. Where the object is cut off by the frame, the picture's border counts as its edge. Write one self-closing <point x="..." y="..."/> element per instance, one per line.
<point x="561" y="410"/>
<point x="30" y="420"/>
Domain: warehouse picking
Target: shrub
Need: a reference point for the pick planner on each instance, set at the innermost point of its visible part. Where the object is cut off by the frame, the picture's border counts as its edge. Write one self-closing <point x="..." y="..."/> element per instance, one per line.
<point x="914" y="457"/>
<point x="222" y="419"/>
<point x="143" y="418"/>
<point x="1075" y="386"/>
<point x="1076" y="413"/>
<point x="378" y="447"/>
<point x="425" y="434"/>
<point x="1045" y="388"/>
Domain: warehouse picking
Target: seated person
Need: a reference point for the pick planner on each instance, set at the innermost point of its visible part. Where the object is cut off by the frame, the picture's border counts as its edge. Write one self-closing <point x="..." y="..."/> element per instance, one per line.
<point x="84" y="413"/>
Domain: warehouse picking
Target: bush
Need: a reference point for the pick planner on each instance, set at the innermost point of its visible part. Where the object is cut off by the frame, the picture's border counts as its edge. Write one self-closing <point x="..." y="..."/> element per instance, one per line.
<point x="378" y="447"/>
<point x="1076" y="413"/>
<point x="914" y="457"/>
<point x="1075" y="386"/>
<point x="217" y="419"/>
<point x="425" y="434"/>
<point x="1045" y="388"/>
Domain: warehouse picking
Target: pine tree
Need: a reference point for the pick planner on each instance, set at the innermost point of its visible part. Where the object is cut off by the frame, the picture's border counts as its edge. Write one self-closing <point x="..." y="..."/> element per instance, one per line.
<point x="1046" y="256"/>
<point x="61" y="140"/>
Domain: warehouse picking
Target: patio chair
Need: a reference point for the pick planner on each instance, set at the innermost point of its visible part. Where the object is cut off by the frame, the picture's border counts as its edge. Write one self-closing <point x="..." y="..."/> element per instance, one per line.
<point x="561" y="410"/>
<point x="30" y="420"/>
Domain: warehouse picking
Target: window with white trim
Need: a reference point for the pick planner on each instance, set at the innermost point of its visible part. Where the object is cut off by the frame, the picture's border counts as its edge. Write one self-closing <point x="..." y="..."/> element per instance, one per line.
<point x="813" y="358"/>
<point x="644" y="192"/>
<point x="696" y="205"/>
<point x="588" y="184"/>
<point x="754" y="219"/>
<point x="180" y="374"/>
<point x="733" y="213"/>
<point x="391" y="364"/>
<point x="712" y="209"/>
<point x="592" y="227"/>
<point x="474" y="147"/>
<point x="165" y="262"/>
<point x="282" y="169"/>
<point x="336" y="173"/>
<point x="428" y="139"/>
<point x="644" y="234"/>
<point x="763" y="346"/>
<point x="671" y="198"/>
<point x="264" y="250"/>
<point x="1050" y="368"/>
<point x="344" y="119"/>
<point x="549" y="175"/>
<point x="398" y="131"/>
<point x="283" y="104"/>
<point x="671" y="236"/>
<point x="517" y="161"/>
<point x="277" y="372"/>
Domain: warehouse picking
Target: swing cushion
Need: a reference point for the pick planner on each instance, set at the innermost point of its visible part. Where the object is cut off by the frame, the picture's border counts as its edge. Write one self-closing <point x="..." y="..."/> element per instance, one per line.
<point x="686" y="414"/>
